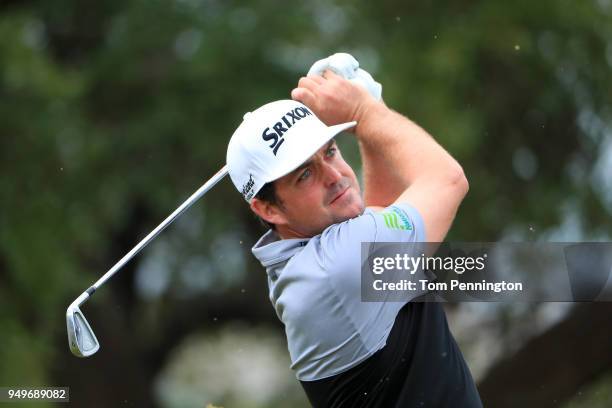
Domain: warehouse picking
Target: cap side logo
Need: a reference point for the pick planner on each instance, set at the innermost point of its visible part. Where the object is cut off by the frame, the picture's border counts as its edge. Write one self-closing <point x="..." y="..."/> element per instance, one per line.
<point x="275" y="132"/>
<point x="247" y="188"/>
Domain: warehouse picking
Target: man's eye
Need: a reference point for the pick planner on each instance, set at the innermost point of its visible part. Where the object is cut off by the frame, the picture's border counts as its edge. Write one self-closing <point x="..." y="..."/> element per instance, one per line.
<point x="331" y="151"/>
<point x="305" y="174"/>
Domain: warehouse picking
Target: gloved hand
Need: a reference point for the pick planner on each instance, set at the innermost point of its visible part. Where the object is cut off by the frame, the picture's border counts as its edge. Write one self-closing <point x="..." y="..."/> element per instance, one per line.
<point x="346" y="65"/>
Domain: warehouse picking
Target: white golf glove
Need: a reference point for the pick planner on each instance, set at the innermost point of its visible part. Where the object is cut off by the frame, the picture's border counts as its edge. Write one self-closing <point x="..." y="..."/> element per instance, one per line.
<point x="346" y="66"/>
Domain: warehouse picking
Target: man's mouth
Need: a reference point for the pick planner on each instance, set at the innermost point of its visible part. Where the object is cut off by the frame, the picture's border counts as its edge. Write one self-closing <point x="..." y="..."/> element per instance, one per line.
<point x="340" y="194"/>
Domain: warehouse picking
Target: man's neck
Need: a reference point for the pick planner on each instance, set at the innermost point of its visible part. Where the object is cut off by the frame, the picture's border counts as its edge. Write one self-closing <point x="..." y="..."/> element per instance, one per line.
<point x="285" y="232"/>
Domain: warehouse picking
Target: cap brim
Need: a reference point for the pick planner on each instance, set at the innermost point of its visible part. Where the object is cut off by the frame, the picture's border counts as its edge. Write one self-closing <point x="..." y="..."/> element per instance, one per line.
<point x="304" y="149"/>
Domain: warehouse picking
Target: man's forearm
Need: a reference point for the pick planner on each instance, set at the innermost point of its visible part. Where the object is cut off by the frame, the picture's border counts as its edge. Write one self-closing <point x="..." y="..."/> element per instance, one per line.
<point x="396" y="152"/>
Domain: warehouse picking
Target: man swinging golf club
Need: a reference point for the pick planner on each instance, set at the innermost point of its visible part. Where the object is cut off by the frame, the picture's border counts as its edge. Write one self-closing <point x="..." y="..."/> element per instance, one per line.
<point x="285" y="162"/>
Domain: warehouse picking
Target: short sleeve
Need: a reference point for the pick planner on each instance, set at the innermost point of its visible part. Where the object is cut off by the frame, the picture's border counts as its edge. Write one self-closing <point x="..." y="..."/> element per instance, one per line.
<point x="399" y="223"/>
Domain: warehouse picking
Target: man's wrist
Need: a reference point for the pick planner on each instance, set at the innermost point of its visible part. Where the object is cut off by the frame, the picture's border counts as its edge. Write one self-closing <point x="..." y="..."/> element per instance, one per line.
<point x="369" y="113"/>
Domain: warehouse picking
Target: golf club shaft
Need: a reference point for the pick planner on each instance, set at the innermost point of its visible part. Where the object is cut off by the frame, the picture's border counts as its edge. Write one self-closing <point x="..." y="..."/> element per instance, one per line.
<point x="188" y="203"/>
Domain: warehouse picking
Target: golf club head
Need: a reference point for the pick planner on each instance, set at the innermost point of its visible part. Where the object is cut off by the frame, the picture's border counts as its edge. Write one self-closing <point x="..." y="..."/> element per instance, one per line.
<point x="81" y="339"/>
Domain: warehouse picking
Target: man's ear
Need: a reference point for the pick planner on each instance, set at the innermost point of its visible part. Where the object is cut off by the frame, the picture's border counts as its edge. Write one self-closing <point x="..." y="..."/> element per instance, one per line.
<point x="268" y="212"/>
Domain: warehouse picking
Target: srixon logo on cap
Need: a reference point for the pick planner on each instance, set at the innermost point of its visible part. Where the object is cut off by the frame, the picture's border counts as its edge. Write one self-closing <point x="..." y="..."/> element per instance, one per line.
<point x="275" y="132"/>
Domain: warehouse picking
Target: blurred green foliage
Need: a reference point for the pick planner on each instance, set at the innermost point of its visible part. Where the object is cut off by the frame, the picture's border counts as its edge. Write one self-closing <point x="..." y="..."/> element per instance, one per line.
<point x="595" y="395"/>
<point x="112" y="110"/>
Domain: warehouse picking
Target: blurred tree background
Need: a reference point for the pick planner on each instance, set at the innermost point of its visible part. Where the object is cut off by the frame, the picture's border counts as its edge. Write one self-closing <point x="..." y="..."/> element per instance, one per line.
<point x="113" y="112"/>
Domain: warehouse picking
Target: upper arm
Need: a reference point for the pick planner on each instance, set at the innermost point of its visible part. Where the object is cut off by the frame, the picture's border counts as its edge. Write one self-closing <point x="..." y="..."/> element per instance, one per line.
<point x="437" y="202"/>
<point x="400" y="222"/>
<point x="342" y="244"/>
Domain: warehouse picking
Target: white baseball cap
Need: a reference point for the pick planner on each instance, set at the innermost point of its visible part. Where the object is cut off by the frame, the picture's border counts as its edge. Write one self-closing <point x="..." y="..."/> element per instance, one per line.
<point x="274" y="140"/>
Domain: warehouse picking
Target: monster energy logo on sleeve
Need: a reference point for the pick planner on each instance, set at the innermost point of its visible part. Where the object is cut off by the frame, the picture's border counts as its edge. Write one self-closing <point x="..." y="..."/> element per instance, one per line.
<point x="396" y="219"/>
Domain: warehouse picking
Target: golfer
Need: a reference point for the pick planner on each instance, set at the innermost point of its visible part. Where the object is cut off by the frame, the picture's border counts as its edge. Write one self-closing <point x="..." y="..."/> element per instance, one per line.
<point x="284" y="160"/>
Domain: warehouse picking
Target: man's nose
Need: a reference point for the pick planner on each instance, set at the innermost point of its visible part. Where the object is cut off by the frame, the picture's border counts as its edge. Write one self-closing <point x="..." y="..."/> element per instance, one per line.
<point x="331" y="174"/>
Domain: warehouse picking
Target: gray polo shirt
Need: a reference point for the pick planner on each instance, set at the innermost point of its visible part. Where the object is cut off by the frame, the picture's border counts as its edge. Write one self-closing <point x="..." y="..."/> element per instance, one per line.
<point x="315" y="288"/>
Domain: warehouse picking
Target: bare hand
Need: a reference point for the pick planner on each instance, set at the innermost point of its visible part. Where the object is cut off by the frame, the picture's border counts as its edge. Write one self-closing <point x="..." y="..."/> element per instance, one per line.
<point x="332" y="98"/>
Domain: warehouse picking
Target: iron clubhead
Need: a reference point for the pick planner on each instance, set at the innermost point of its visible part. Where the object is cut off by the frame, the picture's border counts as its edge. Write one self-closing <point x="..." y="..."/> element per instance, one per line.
<point x="81" y="339"/>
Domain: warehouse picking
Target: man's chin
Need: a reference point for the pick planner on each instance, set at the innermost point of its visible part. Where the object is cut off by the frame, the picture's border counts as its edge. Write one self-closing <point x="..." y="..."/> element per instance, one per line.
<point x="355" y="210"/>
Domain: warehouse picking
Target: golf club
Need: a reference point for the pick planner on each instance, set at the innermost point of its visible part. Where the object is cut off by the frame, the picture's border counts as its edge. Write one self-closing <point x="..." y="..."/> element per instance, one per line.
<point x="81" y="338"/>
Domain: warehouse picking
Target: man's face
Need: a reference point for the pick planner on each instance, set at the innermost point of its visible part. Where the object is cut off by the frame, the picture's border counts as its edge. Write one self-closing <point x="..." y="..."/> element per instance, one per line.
<point x="321" y="192"/>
